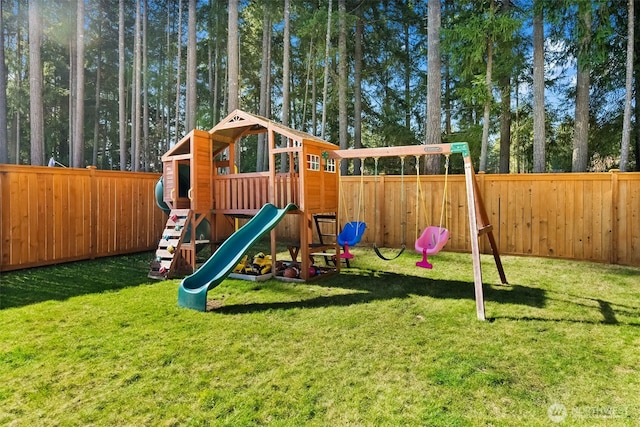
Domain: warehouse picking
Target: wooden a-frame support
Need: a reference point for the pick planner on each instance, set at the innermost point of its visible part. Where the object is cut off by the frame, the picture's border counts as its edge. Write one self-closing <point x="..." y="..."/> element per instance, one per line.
<point x="478" y="218"/>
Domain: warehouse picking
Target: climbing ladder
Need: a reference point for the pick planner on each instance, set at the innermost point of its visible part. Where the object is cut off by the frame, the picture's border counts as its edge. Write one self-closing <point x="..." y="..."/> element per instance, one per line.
<point x="321" y="248"/>
<point x="169" y="259"/>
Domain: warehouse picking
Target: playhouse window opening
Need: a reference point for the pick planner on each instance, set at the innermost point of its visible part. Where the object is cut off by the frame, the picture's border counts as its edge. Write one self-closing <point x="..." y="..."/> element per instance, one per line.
<point x="313" y="162"/>
<point x="330" y="165"/>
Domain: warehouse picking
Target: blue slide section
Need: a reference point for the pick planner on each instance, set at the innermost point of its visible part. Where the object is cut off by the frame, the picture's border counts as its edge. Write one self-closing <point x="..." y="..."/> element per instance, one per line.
<point x="193" y="289"/>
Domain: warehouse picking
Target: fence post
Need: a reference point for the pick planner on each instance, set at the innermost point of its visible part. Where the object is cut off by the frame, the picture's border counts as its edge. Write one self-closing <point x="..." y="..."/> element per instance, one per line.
<point x="615" y="216"/>
<point x="93" y="228"/>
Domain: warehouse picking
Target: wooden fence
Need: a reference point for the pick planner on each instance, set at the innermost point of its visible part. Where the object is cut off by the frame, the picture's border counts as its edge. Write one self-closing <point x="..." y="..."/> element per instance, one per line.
<point x="53" y="215"/>
<point x="590" y="216"/>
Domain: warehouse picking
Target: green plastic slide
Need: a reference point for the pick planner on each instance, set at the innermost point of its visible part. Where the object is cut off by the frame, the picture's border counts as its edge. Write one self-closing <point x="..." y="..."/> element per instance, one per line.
<point x="193" y="289"/>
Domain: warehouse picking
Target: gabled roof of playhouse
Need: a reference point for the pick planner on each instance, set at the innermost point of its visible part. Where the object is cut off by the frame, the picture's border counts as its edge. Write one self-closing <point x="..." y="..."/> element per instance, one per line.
<point x="236" y="125"/>
<point x="187" y="144"/>
<point x="240" y="123"/>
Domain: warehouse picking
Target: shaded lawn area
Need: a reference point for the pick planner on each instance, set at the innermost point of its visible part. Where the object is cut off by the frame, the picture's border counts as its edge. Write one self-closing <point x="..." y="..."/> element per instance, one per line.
<point x="64" y="281"/>
<point x="384" y="343"/>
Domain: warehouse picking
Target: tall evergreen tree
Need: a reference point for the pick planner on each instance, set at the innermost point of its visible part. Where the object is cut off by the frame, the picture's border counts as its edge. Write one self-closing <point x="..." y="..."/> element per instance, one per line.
<point x="626" y="124"/>
<point x="78" y="138"/>
<point x="122" y="119"/>
<point x="342" y="80"/>
<point x="581" y="135"/>
<point x="233" y="65"/>
<point x="265" y="79"/>
<point x="357" y="87"/>
<point x="191" y="77"/>
<point x="539" y="139"/>
<point x="4" y="140"/>
<point x="36" y="107"/>
<point x="434" y="82"/>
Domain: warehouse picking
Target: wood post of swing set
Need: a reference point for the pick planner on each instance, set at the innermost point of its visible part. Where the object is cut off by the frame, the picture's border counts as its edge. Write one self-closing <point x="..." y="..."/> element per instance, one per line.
<point x="478" y="218"/>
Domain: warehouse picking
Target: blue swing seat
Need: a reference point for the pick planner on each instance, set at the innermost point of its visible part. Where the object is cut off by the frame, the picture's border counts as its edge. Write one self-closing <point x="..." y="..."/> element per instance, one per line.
<point x="350" y="235"/>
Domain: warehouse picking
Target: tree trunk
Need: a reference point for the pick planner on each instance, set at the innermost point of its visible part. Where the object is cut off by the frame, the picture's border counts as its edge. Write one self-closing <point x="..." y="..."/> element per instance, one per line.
<point x="233" y="60"/>
<point x="434" y="84"/>
<point x="342" y="80"/>
<point x="265" y="76"/>
<point x="539" y="138"/>
<point x="178" y="73"/>
<point x="286" y="76"/>
<point x="4" y="142"/>
<point x="19" y="79"/>
<point x="135" y="94"/>
<point x="212" y="59"/>
<point x="580" y="159"/>
<point x="78" y="139"/>
<point x="447" y="81"/>
<point x="325" y="88"/>
<point x="146" y="151"/>
<point x="191" y="100"/>
<point x="505" y="101"/>
<point x="357" y="88"/>
<point x="636" y="60"/>
<point x="96" y="119"/>
<point x="505" y="125"/>
<point x="305" y="102"/>
<point x="626" y="122"/>
<point x="407" y="75"/>
<point x="314" y="99"/>
<point x="36" y="109"/>
<point x="73" y="86"/>
<point x="122" y="125"/>
<point x="487" y="108"/>
<point x="169" y="78"/>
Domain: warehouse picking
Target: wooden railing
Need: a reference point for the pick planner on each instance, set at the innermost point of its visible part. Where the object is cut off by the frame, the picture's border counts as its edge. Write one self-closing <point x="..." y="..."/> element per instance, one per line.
<point x="248" y="192"/>
<point x="53" y="215"/>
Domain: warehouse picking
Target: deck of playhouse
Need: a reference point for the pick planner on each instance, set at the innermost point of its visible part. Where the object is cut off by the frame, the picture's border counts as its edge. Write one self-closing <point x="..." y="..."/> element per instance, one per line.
<point x="204" y="195"/>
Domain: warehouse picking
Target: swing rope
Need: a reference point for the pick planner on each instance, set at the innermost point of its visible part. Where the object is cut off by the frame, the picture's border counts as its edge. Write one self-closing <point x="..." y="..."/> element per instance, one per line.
<point x="360" y="190"/>
<point x="375" y="214"/>
<point x="420" y="198"/>
<point x="360" y="195"/>
<point x="342" y="196"/>
<point x="444" y="195"/>
<point x="443" y="208"/>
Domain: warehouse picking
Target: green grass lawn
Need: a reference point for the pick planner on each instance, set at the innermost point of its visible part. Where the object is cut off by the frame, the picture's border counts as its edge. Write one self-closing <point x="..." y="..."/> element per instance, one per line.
<point x="384" y="343"/>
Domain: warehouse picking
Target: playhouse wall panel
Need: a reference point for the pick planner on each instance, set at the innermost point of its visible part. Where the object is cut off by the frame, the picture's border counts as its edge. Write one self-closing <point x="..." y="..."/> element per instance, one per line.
<point x="202" y="172"/>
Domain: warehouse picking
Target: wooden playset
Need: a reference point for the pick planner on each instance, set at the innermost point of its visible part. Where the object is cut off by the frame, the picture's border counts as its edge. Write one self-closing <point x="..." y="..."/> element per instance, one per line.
<point x="204" y="197"/>
<point x="201" y="185"/>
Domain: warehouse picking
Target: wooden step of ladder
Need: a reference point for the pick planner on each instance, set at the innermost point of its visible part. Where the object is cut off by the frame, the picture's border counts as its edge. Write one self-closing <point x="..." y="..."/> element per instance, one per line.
<point x="168" y="255"/>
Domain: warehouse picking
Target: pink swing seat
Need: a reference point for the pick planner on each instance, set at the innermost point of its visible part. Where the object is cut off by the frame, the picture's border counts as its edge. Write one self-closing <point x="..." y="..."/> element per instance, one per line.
<point x="433" y="239"/>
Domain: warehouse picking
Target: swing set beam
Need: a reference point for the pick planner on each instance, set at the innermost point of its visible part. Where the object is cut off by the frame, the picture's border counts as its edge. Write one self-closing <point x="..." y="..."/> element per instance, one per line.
<point x="405" y="150"/>
<point x="478" y="218"/>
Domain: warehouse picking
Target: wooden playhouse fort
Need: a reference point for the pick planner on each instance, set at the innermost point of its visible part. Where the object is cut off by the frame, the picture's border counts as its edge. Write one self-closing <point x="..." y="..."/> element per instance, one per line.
<point x="205" y="196"/>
